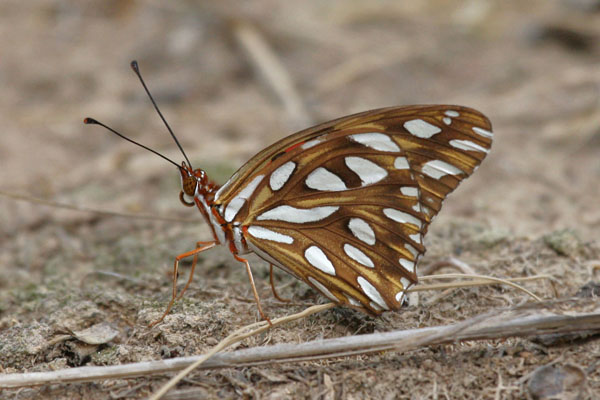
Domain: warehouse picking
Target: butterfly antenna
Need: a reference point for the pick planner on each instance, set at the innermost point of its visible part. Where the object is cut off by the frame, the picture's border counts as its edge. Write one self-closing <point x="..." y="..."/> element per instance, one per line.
<point x="135" y="67"/>
<point x="92" y="121"/>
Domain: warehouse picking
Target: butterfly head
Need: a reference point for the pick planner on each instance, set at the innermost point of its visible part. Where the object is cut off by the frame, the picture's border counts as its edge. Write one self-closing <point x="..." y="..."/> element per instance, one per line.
<point x="193" y="182"/>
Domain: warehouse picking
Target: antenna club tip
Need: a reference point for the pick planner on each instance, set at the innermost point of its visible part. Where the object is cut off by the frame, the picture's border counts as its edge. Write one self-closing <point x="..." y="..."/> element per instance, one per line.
<point x="134" y="65"/>
<point x="89" y="121"/>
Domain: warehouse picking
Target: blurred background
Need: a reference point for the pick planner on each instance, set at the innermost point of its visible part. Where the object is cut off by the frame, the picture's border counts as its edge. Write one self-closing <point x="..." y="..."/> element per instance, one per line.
<point x="531" y="67"/>
<point x="232" y="77"/>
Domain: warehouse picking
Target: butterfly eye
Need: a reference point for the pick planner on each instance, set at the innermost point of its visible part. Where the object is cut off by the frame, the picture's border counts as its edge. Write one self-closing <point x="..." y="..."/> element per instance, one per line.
<point x="201" y="176"/>
<point x="189" y="184"/>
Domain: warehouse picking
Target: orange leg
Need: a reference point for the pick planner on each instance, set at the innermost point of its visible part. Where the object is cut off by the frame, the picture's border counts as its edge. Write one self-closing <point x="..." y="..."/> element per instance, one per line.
<point x="200" y="247"/>
<point x="273" y="286"/>
<point x="262" y="314"/>
<point x="207" y="245"/>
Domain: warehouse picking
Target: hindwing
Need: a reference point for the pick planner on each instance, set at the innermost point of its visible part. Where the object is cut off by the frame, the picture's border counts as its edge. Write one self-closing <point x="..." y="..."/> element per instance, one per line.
<point x="344" y="205"/>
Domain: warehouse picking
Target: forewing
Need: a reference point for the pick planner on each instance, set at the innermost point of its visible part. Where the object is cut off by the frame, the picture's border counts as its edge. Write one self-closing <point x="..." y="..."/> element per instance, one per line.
<point x="344" y="206"/>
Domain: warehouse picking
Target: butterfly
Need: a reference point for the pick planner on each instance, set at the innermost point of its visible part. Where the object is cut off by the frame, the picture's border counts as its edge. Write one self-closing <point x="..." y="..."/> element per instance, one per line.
<point x="342" y="206"/>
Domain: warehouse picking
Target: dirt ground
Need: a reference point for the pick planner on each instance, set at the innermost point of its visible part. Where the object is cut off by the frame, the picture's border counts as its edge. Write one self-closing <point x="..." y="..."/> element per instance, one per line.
<point x="532" y="67"/>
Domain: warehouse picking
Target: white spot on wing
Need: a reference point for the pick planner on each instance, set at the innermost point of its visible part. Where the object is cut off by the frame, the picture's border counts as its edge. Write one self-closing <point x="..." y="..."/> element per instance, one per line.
<point x="225" y="185"/>
<point x="415" y="238"/>
<point x="367" y="171"/>
<point x="323" y="289"/>
<point x="353" y="301"/>
<point x="319" y="260"/>
<point x="452" y="113"/>
<point x="409" y="191"/>
<point x="372" y="293"/>
<point x="233" y="208"/>
<point x="263" y="233"/>
<point x="437" y="169"/>
<point x="237" y="240"/>
<point x="358" y="256"/>
<point x="427" y="210"/>
<point x="238" y="201"/>
<point x="399" y="295"/>
<point x="375" y="140"/>
<point x="407" y="265"/>
<point x="467" y="145"/>
<point x="420" y="128"/>
<point x="483" y="132"/>
<point x="322" y="179"/>
<point x="297" y="215"/>
<point x="362" y="230"/>
<point x="311" y="143"/>
<point x="447" y="120"/>
<point x="402" y="217"/>
<point x="405" y="283"/>
<point x="411" y="249"/>
<point x="401" y="163"/>
<point x="280" y="176"/>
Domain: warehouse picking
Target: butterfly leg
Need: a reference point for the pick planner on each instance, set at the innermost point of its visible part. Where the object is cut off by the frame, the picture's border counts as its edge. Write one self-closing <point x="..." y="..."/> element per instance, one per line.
<point x="200" y="247"/>
<point x="208" y="245"/>
<point x="273" y="286"/>
<point x="262" y="314"/>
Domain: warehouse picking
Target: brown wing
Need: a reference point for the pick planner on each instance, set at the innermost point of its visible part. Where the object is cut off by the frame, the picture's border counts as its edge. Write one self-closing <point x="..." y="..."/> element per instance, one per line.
<point x="344" y="206"/>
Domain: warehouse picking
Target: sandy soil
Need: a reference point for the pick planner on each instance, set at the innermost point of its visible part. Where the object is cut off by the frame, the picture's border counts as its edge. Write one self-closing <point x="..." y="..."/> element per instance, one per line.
<point x="532" y="207"/>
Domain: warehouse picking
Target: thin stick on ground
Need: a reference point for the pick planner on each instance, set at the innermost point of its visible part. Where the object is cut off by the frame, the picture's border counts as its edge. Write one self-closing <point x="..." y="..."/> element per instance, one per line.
<point x="481" y="280"/>
<point x="451" y="262"/>
<point x="238" y="336"/>
<point x="244" y="332"/>
<point x="259" y="327"/>
<point x="556" y="317"/>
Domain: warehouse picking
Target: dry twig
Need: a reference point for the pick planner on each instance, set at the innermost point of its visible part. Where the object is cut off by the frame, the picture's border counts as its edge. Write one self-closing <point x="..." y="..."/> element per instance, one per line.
<point x="479" y="281"/>
<point x="557" y="317"/>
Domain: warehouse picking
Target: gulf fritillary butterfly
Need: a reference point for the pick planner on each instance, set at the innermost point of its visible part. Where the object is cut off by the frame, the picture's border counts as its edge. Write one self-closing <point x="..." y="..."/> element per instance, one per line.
<point x="342" y="206"/>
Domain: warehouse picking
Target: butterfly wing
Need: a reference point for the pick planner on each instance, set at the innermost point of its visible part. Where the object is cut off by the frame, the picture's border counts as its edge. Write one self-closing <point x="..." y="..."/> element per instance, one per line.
<point x="344" y="205"/>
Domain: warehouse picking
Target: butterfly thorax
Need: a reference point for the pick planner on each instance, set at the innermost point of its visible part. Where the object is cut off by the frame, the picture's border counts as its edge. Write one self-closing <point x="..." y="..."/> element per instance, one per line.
<point x="199" y="190"/>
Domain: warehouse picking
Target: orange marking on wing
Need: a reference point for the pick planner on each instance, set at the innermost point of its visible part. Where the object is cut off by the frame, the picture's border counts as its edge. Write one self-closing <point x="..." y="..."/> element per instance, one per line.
<point x="292" y="147"/>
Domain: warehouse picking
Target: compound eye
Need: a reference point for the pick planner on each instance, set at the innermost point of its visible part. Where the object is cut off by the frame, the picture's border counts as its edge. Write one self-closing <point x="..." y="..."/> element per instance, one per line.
<point x="189" y="185"/>
<point x="202" y="178"/>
